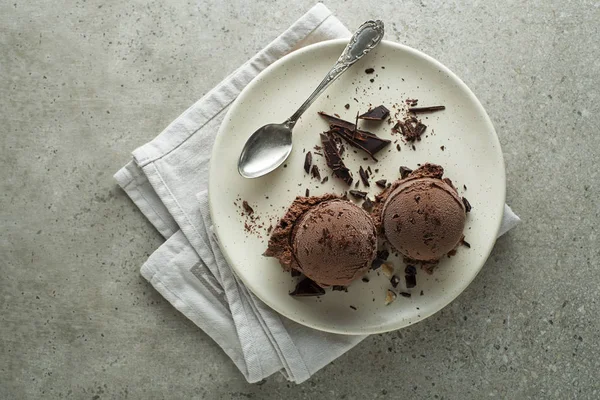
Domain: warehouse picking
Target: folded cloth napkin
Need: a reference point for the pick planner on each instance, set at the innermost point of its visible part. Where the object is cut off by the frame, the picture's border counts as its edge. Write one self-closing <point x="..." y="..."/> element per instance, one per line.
<point x="168" y="180"/>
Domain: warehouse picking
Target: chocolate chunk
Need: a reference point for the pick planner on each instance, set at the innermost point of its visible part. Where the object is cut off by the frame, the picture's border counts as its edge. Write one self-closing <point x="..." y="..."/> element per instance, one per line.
<point x="411" y="281"/>
<point x="377" y="263"/>
<point x="324" y="180"/>
<point x="315" y="172"/>
<point x="404" y="294"/>
<point x="426" y="109"/>
<point x="295" y="273"/>
<point x="410" y="270"/>
<point x="369" y="70"/>
<point x="358" y="194"/>
<point x="249" y="210"/>
<point x="404" y="172"/>
<point x="367" y="204"/>
<point x="366" y="141"/>
<point x="307" y="162"/>
<point x="307" y="193"/>
<point x="379" y="113"/>
<point x="381" y="183"/>
<point x="467" y="204"/>
<point x="363" y="176"/>
<point x="332" y="157"/>
<point x="347" y="106"/>
<point x="383" y="254"/>
<point x="339" y="288"/>
<point x="465" y="243"/>
<point x="306" y="287"/>
<point x="395" y="281"/>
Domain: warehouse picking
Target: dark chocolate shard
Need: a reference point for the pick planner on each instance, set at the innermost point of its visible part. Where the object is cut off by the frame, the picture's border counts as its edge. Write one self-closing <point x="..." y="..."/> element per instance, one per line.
<point x="411" y="281"/>
<point x="379" y="113"/>
<point x="358" y="194"/>
<point x="404" y="172"/>
<point x="339" y="288"/>
<point x="315" y="172"/>
<point x="381" y="183"/>
<point x="307" y="162"/>
<point x="306" y="287"/>
<point x="411" y="129"/>
<point x="395" y="281"/>
<point x="363" y="176"/>
<point x="332" y="157"/>
<point x="383" y="254"/>
<point x="324" y="180"/>
<point x="426" y="109"/>
<point x="295" y="273"/>
<point x="467" y="204"/>
<point x="337" y="121"/>
<point x="249" y="210"/>
<point x="367" y="204"/>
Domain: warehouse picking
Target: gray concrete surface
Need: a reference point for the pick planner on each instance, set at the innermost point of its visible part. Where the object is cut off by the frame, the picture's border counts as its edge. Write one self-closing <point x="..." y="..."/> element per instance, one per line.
<point x="82" y="83"/>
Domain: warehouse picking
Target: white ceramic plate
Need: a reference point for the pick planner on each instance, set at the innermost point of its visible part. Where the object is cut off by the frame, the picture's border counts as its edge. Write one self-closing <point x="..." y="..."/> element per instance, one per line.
<point x="471" y="157"/>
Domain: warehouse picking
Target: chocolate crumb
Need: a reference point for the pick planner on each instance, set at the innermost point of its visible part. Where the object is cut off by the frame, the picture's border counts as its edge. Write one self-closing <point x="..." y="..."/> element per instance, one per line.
<point x="354" y="308"/>
<point x="339" y="288"/>
<point x="465" y="187"/>
<point x="365" y="279"/>
<point x="405" y="294"/>
<point x="421" y="293"/>
<point x="315" y="172"/>
<point x="363" y="176"/>
<point x="347" y="106"/>
<point x="381" y="183"/>
<point x="371" y="80"/>
<point x="442" y="147"/>
<point x="307" y="162"/>
<point x="367" y="204"/>
<point x="324" y="180"/>
<point x="358" y="194"/>
<point x="398" y="147"/>
<point x="411" y="281"/>
<point x="307" y="193"/>
<point x="404" y="172"/>
<point x="249" y="210"/>
<point x="395" y="281"/>
<point x="467" y="204"/>
<point x="378" y="113"/>
<point x="369" y="70"/>
<point x="465" y="243"/>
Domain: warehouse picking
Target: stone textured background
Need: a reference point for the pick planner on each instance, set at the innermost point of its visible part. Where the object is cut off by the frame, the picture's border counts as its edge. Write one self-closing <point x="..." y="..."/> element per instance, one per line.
<point x="82" y="83"/>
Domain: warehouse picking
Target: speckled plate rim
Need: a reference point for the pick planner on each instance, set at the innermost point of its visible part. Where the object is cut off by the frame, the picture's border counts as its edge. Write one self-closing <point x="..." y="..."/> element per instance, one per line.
<point x="213" y="181"/>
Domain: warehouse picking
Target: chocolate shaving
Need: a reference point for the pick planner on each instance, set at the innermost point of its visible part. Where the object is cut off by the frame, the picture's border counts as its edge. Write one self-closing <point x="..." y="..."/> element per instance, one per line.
<point x="369" y="70"/>
<point x="411" y="129"/>
<point x="365" y="279"/>
<point x="467" y="204"/>
<point x="411" y="281"/>
<point x="332" y="157"/>
<point x="307" y="162"/>
<point x="381" y="183"/>
<point x="404" y="294"/>
<point x="398" y="147"/>
<point x="465" y="243"/>
<point x="249" y="210"/>
<point x="404" y="172"/>
<point x="367" y="204"/>
<point x="307" y="193"/>
<point x="354" y="308"/>
<point x="356" y="184"/>
<point x="358" y="194"/>
<point x="369" y="171"/>
<point x="315" y="172"/>
<point x="324" y="180"/>
<point x="426" y="109"/>
<point x="306" y="288"/>
<point x="363" y="176"/>
<point x="379" y="113"/>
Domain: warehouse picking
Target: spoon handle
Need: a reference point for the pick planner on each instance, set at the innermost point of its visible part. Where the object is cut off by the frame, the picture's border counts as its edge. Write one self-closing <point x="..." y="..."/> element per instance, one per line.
<point x="364" y="40"/>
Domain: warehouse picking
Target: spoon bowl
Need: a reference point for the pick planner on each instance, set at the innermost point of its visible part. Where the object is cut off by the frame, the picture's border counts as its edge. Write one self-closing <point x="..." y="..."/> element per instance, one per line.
<point x="265" y="150"/>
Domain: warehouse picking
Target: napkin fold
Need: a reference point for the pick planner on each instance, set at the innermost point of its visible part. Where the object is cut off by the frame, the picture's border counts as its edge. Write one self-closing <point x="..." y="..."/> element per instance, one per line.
<point x="168" y="180"/>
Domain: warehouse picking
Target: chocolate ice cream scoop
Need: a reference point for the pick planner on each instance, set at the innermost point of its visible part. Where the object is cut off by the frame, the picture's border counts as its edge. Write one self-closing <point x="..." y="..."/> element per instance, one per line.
<point x="422" y="216"/>
<point x="328" y="239"/>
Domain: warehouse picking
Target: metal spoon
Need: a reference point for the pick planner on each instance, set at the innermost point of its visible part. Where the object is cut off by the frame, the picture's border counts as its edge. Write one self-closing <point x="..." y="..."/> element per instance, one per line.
<point x="271" y="145"/>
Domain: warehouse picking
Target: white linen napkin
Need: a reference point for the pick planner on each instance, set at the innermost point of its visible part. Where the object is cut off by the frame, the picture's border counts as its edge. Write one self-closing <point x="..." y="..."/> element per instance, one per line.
<point x="168" y="180"/>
